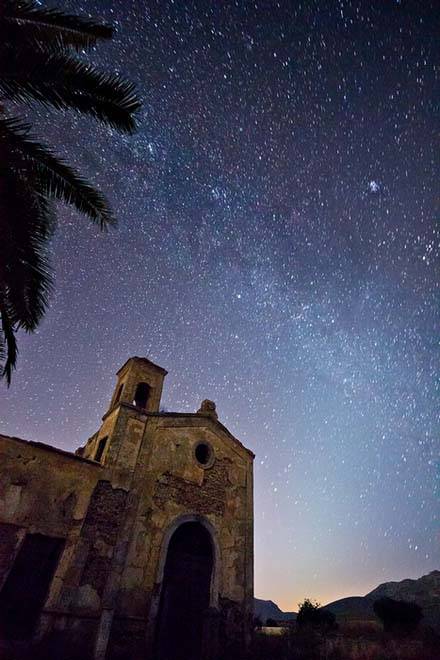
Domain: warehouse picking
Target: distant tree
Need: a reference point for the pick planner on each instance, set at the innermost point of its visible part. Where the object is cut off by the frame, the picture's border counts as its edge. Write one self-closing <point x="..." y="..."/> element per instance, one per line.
<point x="39" y="65"/>
<point x="271" y="623"/>
<point x="398" y="616"/>
<point x="307" y="611"/>
<point x="312" y="615"/>
<point x="257" y="622"/>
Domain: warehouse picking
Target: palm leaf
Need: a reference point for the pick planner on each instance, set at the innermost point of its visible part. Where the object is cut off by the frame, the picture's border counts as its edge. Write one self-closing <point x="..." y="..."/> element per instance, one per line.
<point x="42" y="28"/>
<point x="8" y="344"/>
<point x="38" y="65"/>
<point x="62" y="81"/>
<point x="52" y="176"/>
<point x="26" y="224"/>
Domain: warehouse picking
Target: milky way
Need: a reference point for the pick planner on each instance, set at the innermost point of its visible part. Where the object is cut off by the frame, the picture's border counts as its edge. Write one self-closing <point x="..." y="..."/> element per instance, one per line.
<point x="277" y="251"/>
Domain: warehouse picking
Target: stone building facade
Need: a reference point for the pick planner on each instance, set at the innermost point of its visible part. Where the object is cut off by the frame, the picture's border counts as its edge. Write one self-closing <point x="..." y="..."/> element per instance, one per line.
<point x="139" y="545"/>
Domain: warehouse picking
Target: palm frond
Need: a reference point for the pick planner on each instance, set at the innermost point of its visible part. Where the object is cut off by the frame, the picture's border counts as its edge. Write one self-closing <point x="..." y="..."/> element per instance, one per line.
<point x="42" y="27"/>
<point x="26" y="224"/>
<point x="62" y="81"/>
<point x="38" y="64"/>
<point x="53" y="178"/>
<point x="8" y="345"/>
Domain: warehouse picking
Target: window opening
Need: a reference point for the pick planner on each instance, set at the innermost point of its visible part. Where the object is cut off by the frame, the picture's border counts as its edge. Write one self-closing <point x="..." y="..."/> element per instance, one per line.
<point x="101" y="447"/>
<point x="204" y="454"/>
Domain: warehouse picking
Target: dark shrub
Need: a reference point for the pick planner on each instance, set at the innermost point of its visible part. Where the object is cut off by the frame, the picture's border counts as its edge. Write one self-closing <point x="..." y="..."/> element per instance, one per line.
<point x="312" y="615"/>
<point x="398" y="616"/>
<point x="271" y="623"/>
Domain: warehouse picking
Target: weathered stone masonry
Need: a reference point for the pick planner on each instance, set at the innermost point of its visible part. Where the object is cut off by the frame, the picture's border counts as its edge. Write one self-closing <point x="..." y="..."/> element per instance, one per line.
<point x="152" y="499"/>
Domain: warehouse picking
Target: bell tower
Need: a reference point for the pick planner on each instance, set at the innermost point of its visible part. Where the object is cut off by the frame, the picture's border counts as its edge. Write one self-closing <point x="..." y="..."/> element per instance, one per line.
<point x="139" y="384"/>
<point x="138" y="392"/>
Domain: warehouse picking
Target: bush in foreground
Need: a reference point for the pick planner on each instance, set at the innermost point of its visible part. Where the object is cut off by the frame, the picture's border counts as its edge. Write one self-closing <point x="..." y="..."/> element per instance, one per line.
<point x="398" y="616"/>
<point x="312" y="615"/>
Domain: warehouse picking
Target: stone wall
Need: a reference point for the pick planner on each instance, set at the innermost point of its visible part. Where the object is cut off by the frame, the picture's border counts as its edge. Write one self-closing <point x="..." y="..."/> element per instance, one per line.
<point x="43" y="489"/>
<point x="101" y="527"/>
<point x="209" y="498"/>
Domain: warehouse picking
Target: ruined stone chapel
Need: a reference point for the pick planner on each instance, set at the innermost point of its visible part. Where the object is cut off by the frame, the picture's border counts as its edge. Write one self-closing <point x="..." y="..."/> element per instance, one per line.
<point x="137" y="546"/>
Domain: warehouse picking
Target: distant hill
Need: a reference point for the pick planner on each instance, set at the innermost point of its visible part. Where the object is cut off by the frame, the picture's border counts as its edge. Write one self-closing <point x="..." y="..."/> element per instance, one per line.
<point x="353" y="607"/>
<point x="267" y="609"/>
<point x="424" y="591"/>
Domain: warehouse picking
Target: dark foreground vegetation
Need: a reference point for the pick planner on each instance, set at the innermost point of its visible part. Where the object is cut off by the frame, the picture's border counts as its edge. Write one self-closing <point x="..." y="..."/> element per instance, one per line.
<point x="397" y="633"/>
<point x="350" y="642"/>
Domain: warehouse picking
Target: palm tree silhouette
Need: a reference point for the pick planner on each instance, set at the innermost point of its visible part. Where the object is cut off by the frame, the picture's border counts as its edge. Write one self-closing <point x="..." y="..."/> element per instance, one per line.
<point x="39" y="64"/>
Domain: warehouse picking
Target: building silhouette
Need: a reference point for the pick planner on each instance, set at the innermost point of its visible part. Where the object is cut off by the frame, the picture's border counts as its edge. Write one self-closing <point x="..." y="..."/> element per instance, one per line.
<point x="139" y="545"/>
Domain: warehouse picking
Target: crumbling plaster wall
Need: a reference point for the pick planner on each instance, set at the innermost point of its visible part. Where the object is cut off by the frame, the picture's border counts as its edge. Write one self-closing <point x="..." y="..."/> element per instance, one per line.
<point x="43" y="489"/>
<point x="47" y="491"/>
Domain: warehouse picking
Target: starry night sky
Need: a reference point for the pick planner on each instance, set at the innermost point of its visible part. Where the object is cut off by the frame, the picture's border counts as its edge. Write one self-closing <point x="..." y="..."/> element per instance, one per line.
<point x="277" y="251"/>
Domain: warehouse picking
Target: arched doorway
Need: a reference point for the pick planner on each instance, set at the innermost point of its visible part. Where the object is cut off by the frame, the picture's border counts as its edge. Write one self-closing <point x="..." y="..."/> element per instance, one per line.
<point x="185" y="593"/>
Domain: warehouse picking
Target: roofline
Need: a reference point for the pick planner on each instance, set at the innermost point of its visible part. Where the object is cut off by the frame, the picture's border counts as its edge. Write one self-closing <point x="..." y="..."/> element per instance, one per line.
<point x="56" y="450"/>
<point x="180" y="414"/>
<point x="215" y="421"/>
<point x="143" y="359"/>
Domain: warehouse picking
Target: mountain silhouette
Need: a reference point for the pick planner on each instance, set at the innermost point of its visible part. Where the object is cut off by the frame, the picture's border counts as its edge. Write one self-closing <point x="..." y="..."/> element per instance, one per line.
<point x="425" y="591"/>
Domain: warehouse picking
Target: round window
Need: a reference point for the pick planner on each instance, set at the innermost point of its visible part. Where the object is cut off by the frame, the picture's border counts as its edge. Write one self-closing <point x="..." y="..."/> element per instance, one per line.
<point x="204" y="454"/>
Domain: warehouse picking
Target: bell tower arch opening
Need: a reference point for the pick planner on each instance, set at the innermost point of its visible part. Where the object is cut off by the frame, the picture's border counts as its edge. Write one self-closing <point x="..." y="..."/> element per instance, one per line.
<point x="185" y="594"/>
<point x="141" y="395"/>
